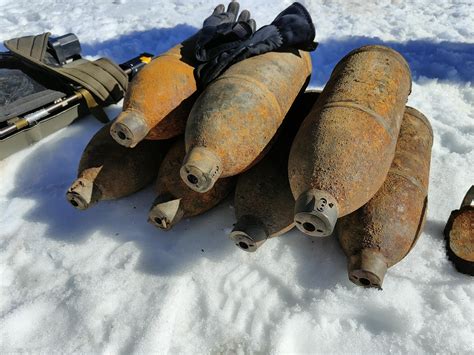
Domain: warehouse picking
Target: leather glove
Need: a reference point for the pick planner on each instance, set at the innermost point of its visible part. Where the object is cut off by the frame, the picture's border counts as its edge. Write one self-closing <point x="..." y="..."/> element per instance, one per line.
<point x="222" y="31"/>
<point x="292" y="28"/>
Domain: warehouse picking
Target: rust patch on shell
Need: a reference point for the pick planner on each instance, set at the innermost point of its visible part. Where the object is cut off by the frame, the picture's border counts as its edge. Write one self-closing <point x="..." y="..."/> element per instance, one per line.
<point x="163" y="92"/>
<point x="346" y="144"/>
<point x="238" y="114"/>
<point x="169" y="183"/>
<point x="459" y="235"/>
<point x="118" y="171"/>
<point x="263" y="192"/>
<point x="391" y="222"/>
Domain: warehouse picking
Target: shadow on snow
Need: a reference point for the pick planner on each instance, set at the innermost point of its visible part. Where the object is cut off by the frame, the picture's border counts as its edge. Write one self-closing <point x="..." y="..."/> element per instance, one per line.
<point x="449" y="61"/>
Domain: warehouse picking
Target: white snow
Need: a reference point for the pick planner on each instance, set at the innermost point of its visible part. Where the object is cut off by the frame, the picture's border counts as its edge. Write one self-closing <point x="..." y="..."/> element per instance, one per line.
<point x="105" y="281"/>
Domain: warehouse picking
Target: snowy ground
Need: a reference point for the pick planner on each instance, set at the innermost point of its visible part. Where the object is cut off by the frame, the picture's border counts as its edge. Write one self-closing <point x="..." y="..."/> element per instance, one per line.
<point x="105" y="281"/>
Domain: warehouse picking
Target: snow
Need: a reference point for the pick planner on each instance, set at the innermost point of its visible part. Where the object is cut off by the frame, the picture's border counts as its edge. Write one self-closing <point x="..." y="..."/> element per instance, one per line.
<point x="105" y="281"/>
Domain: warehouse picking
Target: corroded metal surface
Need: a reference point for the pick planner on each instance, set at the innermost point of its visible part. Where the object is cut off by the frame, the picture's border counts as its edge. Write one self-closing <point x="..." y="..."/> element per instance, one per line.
<point x="237" y="115"/>
<point x="174" y="123"/>
<point x="175" y="200"/>
<point x="159" y="98"/>
<point x="263" y="193"/>
<point x="345" y="146"/>
<point x="383" y="231"/>
<point x="263" y="200"/>
<point x="108" y="170"/>
<point x="459" y="234"/>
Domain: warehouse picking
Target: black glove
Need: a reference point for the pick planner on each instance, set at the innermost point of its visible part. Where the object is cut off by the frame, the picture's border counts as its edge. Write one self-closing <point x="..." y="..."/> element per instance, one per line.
<point x="223" y="31"/>
<point x="292" y="28"/>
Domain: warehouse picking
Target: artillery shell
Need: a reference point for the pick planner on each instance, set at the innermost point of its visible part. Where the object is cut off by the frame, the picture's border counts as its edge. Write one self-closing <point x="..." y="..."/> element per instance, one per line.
<point x="175" y="199"/>
<point x="237" y="115"/>
<point x="109" y="171"/>
<point x="384" y="230"/>
<point x="158" y="100"/>
<point x="263" y="199"/>
<point x="459" y="234"/>
<point x="344" y="148"/>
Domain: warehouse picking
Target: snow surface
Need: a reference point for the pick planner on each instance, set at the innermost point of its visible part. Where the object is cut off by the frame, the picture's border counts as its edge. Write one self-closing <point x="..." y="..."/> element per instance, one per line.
<point x="105" y="281"/>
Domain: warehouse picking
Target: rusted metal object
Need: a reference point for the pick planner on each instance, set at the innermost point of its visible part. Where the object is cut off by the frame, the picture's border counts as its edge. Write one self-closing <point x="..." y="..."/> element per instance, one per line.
<point x="344" y="148"/>
<point x="109" y="171"/>
<point x="175" y="200"/>
<point x="263" y="199"/>
<point x="158" y="100"/>
<point x="459" y="234"/>
<point x="238" y="114"/>
<point x="383" y="231"/>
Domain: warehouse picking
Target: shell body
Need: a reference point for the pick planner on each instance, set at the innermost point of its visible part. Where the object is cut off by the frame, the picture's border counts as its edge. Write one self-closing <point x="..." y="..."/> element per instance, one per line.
<point x="383" y="231"/>
<point x="344" y="148"/>
<point x="159" y="98"/>
<point x="109" y="171"/>
<point x="237" y="115"/>
<point x="175" y="200"/>
<point x="263" y="200"/>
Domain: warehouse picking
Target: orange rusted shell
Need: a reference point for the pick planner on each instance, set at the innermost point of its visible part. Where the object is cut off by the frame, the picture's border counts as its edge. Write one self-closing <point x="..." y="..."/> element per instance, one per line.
<point x="459" y="234"/>
<point x="344" y="148"/>
<point x="158" y="100"/>
<point x="237" y="115"/>
<point x="384" y="230"/>
<point x="175" y="200"/>
<point x="174" y="123"/>
<point x="108" y="170"/>
<point x="263" y="200"/>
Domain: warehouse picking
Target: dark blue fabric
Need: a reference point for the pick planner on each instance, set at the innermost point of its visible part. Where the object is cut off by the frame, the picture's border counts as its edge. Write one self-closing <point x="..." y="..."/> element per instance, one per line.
<point x="224" y="37"/>
<point x="292" y="29"/>
<point x="223" y="31"/>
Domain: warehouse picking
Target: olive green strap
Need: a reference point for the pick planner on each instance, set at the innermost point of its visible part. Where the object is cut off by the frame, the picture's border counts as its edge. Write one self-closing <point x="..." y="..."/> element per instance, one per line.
<point x="94" y="108"/>
<point x="31" y="47"/>
<point x="104" y="79"/>
<point x="93" y="77"/>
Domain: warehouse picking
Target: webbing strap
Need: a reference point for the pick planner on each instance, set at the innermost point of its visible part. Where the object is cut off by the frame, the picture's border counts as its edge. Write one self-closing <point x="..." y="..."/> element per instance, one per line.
<point x="102" y="78"/>
<point x="94" y="108"/>
<point x="33" y="47"/>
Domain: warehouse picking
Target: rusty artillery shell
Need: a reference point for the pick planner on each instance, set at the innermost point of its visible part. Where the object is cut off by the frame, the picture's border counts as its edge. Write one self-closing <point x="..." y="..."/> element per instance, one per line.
<point x="175" y="200"/>
<point x="344" y="148"/>
<point x="237" y="115"/>
<point x="158" y="100"/>
<point x="383" y="231"/>
<point x="459" y="234"/>
<point x="108" y="171"/>
<point x="263" y="200"/>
